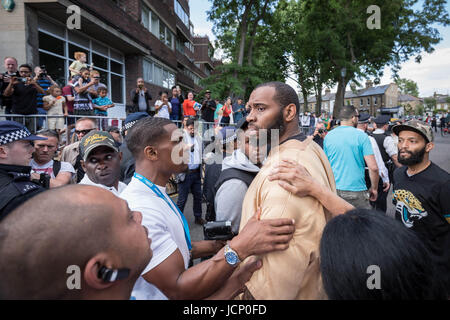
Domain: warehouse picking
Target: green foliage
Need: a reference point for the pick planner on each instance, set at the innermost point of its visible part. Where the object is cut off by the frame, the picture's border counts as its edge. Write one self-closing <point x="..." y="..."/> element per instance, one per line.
<point x="430" y="103"/>
<point x="420" y="110"/>
<point x="407" y="86"/>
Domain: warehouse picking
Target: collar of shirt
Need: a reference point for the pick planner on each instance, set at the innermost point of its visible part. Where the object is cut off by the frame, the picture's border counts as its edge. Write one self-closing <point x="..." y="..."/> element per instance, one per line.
<point x="89" y="182"/>
<point x="377" y="131"/>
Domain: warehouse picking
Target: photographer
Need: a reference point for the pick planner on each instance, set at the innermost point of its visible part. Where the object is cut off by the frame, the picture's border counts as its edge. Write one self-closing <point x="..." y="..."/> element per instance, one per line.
<point x="319" y="134"/>
<point x="5" y="79"/>
<point x="50" y="173"/>
<point x="24" y="91"/>
<point x="141" y="99"/>
<point x="45" y="82"/>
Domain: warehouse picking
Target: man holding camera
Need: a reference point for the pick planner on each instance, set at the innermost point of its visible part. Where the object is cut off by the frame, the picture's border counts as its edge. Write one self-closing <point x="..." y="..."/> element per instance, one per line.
<point x="141" y="99"/>
<point x="51" y="173"/>
<point x="16" y="149"/>
<point x="5" y="79"/>
<point x="24" y="91"/>
<point x="45" y="82"/>
<point x="319" y="134"/>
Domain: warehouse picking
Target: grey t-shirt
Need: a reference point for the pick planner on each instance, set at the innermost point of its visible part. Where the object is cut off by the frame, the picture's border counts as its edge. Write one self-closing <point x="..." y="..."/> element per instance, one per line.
<point x="142" y="102"/>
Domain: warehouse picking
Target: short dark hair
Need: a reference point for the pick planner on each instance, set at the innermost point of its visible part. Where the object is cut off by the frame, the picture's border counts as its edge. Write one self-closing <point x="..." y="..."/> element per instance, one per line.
<point x="174" y="87"/>
<point x="284" y="94"/>
<point x="361" y="238"/>
<point x="48" y="133"/>
<point x="100" y="89"/>
<point x="26" y="66"/>
<point x="83" y="69"/>
<point x="113" y="129"/>
<point x="347" y="112"/>
<point x="190" y="122"/>
<point x="145" y="132"/>
<point x="162" y="92"/>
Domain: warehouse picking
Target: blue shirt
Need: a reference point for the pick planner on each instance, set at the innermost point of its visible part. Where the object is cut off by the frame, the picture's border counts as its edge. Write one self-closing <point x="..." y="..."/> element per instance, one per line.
<point x="44" y="84"/>
<point x="176" y="108"/>
<point x="101" y="102"/>
<point x="346" y="148"/>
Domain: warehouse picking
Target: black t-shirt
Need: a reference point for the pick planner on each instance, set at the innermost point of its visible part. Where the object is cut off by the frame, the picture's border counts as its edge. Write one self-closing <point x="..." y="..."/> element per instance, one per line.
<point x="422" y="203"/>
<point x="208" y="109"/>
<point x="24" y="99"/>
<point x="6" y="101"/>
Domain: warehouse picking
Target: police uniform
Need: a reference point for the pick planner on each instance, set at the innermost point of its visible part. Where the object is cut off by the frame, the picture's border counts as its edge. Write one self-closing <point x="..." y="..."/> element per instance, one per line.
<point x="16" y="186"/>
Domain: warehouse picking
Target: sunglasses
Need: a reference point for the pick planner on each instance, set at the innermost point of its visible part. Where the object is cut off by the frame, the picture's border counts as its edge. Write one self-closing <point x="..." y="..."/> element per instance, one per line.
<point x="83" y="131"/>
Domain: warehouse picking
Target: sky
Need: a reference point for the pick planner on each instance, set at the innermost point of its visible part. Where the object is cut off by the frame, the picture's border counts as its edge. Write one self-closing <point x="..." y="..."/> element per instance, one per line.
<point x="432" y="74"/>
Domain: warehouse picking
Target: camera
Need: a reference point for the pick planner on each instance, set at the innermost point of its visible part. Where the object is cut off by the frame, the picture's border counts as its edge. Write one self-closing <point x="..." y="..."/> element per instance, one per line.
<point x="218" y="230"/>
<point x="43" y="181"/>
<point x="321" y="131"/>
<point x="192" y="148"/>
<point x="44" y="72"/>
<point x="23" y="80"/>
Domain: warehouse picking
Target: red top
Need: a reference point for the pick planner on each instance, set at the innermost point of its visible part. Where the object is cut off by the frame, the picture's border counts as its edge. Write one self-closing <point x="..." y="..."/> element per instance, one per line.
<point x="188" y="108"/>
<point x="226" y="111"/>
<point x="67" y="91"/>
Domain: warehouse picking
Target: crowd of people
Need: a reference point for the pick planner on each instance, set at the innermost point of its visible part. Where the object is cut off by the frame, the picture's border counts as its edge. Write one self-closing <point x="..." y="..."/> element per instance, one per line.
<point x="303" y="199"/>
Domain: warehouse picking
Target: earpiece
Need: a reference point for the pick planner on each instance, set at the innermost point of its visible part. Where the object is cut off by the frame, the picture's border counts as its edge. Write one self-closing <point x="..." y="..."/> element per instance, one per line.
<point x="112" y="275"/>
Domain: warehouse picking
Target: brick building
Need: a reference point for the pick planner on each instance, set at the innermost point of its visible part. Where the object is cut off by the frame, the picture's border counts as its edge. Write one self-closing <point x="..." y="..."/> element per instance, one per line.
<point x="125" y="39"/>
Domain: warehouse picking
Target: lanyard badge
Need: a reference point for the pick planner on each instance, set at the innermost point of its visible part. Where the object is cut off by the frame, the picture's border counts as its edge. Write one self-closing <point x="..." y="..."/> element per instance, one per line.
<point x="172" y="206"/>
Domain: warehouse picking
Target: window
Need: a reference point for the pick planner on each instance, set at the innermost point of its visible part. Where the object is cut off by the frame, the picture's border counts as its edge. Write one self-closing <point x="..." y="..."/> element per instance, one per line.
<point x="49" y="43"/>
<point x="375" y="100"/>
<point x="361" y="102"/>
<point x="155" y="24"/>
<point x="145" y="17"/>
<point x="368" y="101"/>
<point x="181" y="13"/>
<point x="158" y="75"/>
<point x="57" y="59"/>
<point x="151" y="21"/>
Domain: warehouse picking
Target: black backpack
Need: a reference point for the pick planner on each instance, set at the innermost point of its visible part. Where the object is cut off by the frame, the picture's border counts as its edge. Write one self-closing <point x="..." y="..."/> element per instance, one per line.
<point x="56" y="167"/>
<point x="225" y="175"/>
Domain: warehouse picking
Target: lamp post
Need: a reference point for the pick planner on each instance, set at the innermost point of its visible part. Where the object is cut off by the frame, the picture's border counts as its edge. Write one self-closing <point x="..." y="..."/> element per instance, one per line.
<point x="343" y="74"/>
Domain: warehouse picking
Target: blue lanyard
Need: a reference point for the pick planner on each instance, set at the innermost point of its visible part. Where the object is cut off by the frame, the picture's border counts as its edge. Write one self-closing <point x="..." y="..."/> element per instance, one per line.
<point x="158" y="192"/>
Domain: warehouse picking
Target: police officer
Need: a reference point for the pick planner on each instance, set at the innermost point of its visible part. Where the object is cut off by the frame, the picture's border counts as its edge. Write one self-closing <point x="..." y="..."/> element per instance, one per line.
<point x="16" y="149"/>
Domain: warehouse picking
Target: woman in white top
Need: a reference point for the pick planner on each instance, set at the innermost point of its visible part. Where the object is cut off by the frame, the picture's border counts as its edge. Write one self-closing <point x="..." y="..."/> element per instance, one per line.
<point x="162" y="106"/>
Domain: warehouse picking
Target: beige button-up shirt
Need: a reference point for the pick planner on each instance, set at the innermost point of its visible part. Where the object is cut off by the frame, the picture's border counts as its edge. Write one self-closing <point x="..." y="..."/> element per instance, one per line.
<point x="293" y="273"/>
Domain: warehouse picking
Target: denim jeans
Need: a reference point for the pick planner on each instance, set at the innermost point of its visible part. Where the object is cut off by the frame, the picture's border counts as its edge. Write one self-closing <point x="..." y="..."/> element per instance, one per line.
<point x="192" y="183"/>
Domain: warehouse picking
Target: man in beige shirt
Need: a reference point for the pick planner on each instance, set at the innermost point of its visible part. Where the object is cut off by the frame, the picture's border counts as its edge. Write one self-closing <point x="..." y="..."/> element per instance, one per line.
<point x="293" y="273"/>
<point x="71" y="152"/>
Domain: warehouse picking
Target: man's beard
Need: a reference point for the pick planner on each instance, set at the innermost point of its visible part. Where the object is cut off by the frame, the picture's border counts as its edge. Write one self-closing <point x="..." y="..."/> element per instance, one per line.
<point x="415" y="158"/>
<point x="277" y="125"/>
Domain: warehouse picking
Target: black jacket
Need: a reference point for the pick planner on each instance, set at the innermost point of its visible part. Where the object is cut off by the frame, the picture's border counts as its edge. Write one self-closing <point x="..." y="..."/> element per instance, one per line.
<point x="135" y="100"/>
<point x="15" y="187"/>
<point x="127" y="164"/>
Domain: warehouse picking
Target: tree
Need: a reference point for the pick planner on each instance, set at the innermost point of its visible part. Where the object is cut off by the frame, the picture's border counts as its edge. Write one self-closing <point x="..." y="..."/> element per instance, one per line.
<point x="430" y="103"/>
<point x="407" y="86"/>
<point x="243" y="29"/>
<point x="342" y="32"/>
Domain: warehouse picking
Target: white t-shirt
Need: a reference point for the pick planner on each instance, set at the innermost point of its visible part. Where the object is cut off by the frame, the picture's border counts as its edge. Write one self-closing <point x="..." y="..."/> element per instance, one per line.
<point x="165" y="228"/>
<point x="164" y="111"/>
<point x="48" y="168"/>
<point x="116" y="192"/>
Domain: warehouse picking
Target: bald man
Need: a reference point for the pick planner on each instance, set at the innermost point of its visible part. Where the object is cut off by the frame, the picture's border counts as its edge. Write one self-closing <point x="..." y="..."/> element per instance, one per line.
<point x="47" y="238"/>
<point x="140" y="96"/>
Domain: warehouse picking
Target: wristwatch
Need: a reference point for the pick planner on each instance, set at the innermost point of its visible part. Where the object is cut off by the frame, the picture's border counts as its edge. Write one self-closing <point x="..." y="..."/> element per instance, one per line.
<point x="231" y="257"/>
